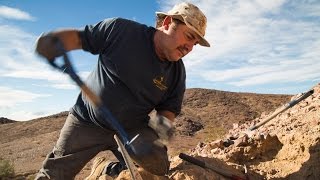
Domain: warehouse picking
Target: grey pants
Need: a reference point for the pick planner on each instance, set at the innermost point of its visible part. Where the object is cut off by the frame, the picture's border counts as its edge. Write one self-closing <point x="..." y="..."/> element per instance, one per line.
<point x="79" y="142"/>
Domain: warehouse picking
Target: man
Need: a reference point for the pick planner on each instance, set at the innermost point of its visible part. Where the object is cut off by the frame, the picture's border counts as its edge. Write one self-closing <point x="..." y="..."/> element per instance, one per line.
<point x="139" y="70"/>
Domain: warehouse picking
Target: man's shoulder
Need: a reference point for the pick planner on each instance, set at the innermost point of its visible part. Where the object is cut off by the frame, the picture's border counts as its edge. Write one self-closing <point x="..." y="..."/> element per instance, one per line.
<point x="122" y="21"/>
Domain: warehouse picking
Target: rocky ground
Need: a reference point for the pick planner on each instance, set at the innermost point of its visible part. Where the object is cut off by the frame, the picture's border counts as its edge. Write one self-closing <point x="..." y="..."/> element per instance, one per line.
<point x="288" y="146"/>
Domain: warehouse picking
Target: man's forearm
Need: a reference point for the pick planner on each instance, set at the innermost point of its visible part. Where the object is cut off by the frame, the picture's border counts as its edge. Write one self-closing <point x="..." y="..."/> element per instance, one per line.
<point x="168" y="114"/>
<point x="70" y="38"/>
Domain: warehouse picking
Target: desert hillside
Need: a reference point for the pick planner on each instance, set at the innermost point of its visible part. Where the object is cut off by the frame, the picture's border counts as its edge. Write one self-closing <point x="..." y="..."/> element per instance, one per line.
<point x="287" y="147"/>
<point x="206" y="116"/>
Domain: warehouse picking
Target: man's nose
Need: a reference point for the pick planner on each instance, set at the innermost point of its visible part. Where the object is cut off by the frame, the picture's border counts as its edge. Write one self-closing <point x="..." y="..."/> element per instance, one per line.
<point x="188" y="47"/>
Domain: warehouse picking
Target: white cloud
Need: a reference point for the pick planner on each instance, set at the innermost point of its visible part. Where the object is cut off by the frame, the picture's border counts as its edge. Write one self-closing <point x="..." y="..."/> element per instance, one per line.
<point x="22" y="115"/>
<point x="13" y="13"/>
<point x="11" y="97"/>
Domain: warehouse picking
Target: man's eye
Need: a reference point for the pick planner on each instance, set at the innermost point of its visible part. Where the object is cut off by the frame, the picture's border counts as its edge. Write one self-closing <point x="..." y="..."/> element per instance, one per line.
<point x="189" y="38"/>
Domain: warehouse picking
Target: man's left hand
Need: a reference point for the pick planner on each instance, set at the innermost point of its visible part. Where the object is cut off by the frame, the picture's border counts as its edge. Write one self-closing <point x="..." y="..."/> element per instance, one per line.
<point x="163" y="126"/>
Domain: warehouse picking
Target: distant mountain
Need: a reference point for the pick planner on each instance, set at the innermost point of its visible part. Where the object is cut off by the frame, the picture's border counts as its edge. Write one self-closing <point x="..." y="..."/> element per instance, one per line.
<point x="4" y="120"/>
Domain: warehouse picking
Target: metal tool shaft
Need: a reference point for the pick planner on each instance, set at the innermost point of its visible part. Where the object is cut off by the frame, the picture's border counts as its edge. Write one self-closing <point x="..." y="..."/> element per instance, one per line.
<point x="282" y="109"/>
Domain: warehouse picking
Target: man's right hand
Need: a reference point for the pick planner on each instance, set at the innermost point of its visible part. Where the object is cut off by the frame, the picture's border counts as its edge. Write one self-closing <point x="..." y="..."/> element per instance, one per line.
<point x="49" y="46"/>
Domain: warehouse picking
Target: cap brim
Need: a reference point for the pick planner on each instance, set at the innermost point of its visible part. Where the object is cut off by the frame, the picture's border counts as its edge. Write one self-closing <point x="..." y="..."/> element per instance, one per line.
<point x="202" y="41"/>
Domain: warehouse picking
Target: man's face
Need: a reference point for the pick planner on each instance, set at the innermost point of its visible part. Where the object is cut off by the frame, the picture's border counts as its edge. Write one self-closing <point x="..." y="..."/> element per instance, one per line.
<point x="179" y="42"/>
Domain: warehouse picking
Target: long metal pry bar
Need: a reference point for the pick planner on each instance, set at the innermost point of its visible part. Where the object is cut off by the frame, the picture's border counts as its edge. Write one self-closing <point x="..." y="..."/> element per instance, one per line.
<point x="282" y="109"/>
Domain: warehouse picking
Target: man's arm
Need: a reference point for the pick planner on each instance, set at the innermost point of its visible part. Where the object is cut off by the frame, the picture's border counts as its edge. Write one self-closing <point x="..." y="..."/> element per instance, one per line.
<point x="70" y="38"/>
<point x="47" y="44"/>
<point x="168" y="114"/>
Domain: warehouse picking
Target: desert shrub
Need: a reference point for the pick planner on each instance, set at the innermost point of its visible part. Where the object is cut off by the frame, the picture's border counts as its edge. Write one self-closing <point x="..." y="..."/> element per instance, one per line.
<point x="6" y="169"/>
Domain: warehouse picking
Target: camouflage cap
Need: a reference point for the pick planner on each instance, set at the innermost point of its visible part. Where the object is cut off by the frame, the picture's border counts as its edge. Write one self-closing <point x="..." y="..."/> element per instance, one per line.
<point x="192" y="16"/>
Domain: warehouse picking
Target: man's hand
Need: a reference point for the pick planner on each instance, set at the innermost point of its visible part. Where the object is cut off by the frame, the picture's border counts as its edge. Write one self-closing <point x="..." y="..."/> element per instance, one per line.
<point x="163" y="126"/>
<point x="49" y="46"/>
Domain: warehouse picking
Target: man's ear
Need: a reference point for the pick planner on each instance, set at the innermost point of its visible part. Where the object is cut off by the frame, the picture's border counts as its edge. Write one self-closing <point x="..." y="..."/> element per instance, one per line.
<point x="166" y="22"/>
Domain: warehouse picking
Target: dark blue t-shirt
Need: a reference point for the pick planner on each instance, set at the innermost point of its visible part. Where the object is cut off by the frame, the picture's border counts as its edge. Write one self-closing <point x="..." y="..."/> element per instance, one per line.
<point x="129" y="77"/>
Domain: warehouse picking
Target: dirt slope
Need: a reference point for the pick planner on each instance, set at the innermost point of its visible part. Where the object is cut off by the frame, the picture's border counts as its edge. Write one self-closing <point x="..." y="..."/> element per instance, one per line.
<point x="27" y="143"/>
<point x="206" y="116"/>
<point x="288" y="147"/>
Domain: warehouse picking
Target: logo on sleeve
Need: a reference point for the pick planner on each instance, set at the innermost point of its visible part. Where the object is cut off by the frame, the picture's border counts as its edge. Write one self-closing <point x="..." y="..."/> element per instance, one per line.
<point x="159" y="82"/>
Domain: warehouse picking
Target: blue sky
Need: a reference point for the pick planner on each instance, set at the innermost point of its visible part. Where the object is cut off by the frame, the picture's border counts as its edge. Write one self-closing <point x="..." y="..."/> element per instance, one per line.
<point x="257" y="46"/>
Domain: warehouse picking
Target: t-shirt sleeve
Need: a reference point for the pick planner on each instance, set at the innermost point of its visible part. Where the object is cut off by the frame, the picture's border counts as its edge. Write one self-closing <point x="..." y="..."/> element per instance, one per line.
<point x="96" y="38"/>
